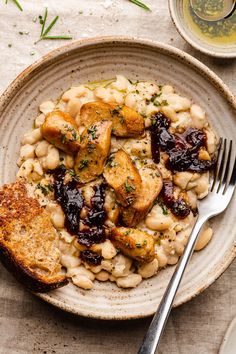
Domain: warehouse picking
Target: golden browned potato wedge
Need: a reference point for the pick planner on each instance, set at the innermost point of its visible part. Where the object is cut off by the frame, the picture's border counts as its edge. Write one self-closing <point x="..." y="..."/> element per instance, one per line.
<point x="125" y="121"/>
<point x="150" y="188"/>
<point x="134" y="243"/>
<point x="60" y="129"/>
<point x="95" y="147"/>
<point x="121" y="174"/>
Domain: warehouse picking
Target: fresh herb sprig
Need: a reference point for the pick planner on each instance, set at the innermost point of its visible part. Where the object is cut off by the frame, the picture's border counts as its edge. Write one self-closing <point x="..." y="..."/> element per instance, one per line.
<point x="44" y="35"/>
<point x="16" y="2"/>
<point x="140" y="4"/>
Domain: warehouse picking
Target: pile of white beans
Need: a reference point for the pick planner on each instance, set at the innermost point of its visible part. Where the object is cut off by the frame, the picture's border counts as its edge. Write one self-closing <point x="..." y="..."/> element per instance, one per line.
<point x="37" y="156"/>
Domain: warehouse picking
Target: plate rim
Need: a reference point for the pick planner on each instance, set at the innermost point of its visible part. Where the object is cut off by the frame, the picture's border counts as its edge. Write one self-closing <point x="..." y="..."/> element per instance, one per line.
<point x="195" y="64"/>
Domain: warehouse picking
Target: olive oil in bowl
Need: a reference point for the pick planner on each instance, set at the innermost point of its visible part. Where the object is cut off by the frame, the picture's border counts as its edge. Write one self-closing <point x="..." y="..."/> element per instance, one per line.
<point x="218" y="33"/>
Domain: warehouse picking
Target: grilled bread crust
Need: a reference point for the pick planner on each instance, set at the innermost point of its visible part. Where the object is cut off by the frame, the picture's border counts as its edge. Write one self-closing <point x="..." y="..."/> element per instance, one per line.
<point x="28" y="241"/>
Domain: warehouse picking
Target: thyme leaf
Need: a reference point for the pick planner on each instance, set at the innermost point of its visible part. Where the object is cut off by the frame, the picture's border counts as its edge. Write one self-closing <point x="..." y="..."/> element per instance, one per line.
<point x="140" y="4"/>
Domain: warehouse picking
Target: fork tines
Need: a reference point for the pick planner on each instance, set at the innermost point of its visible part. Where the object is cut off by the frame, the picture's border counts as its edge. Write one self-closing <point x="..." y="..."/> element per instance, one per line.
<point x="224" y="175"/>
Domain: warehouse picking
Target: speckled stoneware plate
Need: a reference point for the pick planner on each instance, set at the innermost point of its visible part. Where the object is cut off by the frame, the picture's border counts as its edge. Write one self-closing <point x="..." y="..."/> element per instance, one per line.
<point x="102" y="58"/>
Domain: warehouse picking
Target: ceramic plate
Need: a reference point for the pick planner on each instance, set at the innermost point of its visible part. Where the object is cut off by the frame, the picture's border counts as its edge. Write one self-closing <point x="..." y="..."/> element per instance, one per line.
<point x="102" y="58"/>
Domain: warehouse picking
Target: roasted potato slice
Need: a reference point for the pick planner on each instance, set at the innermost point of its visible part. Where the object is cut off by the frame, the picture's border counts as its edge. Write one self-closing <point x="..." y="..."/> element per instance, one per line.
<point x="60" y="129"/>
<point x="150" y="188"/>
<point x="125" y="121"/>
<point x="134" y="243"/>
<point x="121" y="174"/>
<point x="95" y="147"/>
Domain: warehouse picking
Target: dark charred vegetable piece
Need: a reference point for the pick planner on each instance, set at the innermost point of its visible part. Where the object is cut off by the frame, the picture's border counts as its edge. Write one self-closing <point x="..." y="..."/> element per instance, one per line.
<point x="70" y="199"/>
<point x="92" y="236"/>
<point x="91" y="257"/>
<point x="97" y="214"/>
<point x="160" y="136"/>
<point x="182" y="149"/>
<point x="178" y="207"/>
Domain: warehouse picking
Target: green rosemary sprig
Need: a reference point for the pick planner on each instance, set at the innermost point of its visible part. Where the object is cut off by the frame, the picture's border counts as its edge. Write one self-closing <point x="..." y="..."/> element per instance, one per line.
<point x="16" y="2"/>
<point x="140" y="4"/>
<point x="44" y="32"/>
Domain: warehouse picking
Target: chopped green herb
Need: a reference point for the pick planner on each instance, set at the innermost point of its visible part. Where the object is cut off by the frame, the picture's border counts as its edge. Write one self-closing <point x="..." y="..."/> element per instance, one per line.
<point x="140" y="4"/>
<point x="63" y="139"/>
<point x="162" y="205"/>
<point x="45" y="189"/>
<point x="116" y="111"/>
<point x="92" y="131"/>
<point x="111" y="162"/>
<point x="90" y="148"/>
<point x="9" y="45"/>
<point x="44" y="32"/>
<point x="145" y="242"/>
<point x="71" y="172"/>
<point x="127" y="232"/>
<point x="83" y="164"/>
<point x="138" y="245"/>
<point x="128" y="187"/>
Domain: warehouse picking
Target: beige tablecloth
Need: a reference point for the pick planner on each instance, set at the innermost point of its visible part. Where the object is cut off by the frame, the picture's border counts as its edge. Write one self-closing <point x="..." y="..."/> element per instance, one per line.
<point x="27" y="325"/>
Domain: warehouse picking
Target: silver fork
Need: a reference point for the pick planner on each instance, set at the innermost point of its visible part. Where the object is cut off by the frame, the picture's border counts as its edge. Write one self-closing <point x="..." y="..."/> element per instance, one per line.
<point x="221" y="192"/>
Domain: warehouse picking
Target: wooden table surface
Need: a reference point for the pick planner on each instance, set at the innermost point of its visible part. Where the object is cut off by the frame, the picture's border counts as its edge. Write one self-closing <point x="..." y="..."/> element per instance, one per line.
<point x="28" y="325"/>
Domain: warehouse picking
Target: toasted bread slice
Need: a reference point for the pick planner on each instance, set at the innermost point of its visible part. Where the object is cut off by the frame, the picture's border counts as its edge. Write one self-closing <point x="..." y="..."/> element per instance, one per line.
<point x="121" y="174"/>
<point x="125" y="121"/>
<point x="134" y="243"/>
<point x="28" y="241"/>
<point x="150" y="188"/>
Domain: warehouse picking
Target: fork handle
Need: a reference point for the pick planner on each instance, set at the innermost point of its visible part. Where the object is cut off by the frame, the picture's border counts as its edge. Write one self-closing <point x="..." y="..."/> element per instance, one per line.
<point x="153" y="335"/>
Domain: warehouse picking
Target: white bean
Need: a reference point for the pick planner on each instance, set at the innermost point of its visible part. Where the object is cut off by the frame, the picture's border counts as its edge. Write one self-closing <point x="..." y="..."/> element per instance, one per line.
<point x="178" y="103"/>
<point x="42" y="148"/>
<point x="107" y="265"/>
<point x="202" y="187"/>
<point x="172" y="259"/>
<point x="81" y="270"/>
<point x="39" y="120"/>
<point x="102" y="276"/>
<point x="69" y="261"/>
<point x="73" y="106"/>
<point x="69" y="161"/>
<point x="27" y="151"/>
<point x="58" y="220"/>
<point x="53" y="158"/>
<point x="121" y="265"/>
<point x="121" y="83"/>
<point x="157" y="221"/>
<point x="149" y="269"/>
<point x="204" y="238"/>
<point x="32" y="137"/>
<point x="167" y="89"/>
<point x="74" y="92"/>
<point x="46" y="107"/>
<point x="161" y="257"/>
<point x="82" y="282"/>
<point x="182" y="179"/>
<point x="130" y="281"/>
<point x="211" y="141"/>
<point x="198" y="116"/>
<point x="170" y="113"/>
<point x="108" y="250"/>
